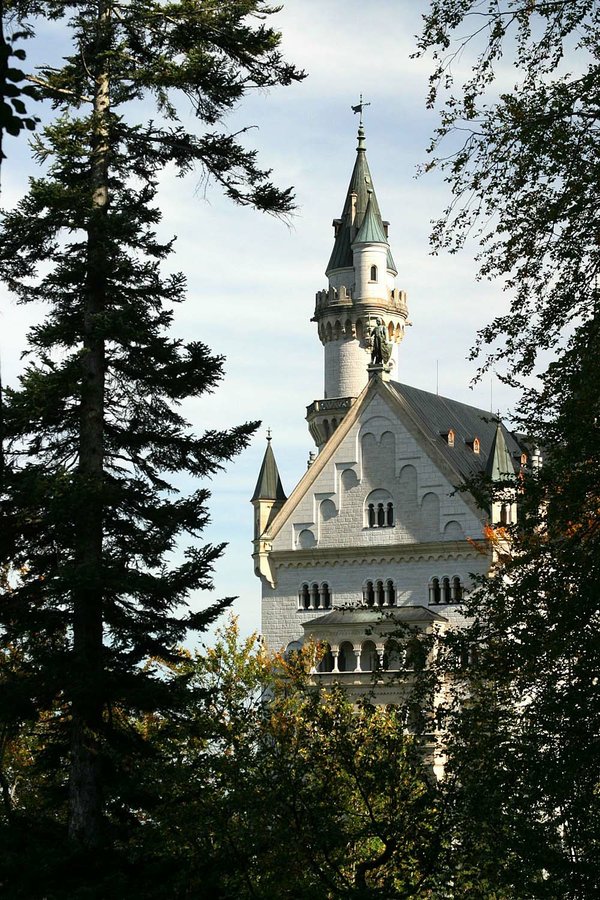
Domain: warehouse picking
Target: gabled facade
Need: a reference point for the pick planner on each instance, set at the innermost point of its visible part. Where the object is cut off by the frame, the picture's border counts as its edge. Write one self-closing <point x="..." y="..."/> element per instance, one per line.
<point x="375" y="532"/>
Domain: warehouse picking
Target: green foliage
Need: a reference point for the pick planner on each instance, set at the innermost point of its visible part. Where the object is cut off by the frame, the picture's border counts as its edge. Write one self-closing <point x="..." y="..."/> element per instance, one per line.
<point x="521" y="164"/>
<point x="13" y="111"/>
<point x="95" y="447"/>
<point x="283" y="790"/>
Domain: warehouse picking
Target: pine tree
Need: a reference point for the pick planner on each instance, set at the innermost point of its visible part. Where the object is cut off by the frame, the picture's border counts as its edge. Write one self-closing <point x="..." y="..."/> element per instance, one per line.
<point x="93" y="436"/>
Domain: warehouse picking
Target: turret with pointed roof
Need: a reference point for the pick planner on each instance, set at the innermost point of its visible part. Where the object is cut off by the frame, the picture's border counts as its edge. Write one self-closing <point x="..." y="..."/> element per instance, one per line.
<point x="268" y="496"/>
<point x="361" y="274"/>
<point x="500" y="470"/>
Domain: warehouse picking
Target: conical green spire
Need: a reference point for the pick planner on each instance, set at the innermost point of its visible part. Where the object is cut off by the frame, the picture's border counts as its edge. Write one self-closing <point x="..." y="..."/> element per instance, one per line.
<point x="269" y="486"/>
<point x="360" y="185"/>
<point x="371" y="231"/>
<point x="499" y="465"/>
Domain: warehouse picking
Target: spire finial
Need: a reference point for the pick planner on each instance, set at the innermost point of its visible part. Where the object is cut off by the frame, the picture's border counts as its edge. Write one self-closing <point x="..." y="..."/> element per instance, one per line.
<point x="361" y="131"/>
<point x="269" y="434"/>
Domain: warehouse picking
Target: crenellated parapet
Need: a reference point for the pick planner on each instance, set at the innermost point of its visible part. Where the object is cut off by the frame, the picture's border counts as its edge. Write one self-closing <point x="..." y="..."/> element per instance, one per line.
<point x="325" y="416"/>
<point x="330" y="300"/>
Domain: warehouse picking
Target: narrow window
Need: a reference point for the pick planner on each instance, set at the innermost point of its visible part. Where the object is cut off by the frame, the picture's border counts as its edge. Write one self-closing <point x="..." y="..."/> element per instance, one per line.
<point x="325" y="596"/>
<point x="504" y="515"/>
<point x="371" y="515"/>
<point x="457" y="590"/>
<point x="446" y="590"/>
<point x="390" y="593"/>
<point x="304" y="597"/>
<point x="314" y="596"/>
<point x="435" y="594"/>
<point x="380" y="515"/>
<point x="379" y="593"/>
<point x="373" y="273"/>
<point x="390" y="514"/>
<point x="369" y="594"/>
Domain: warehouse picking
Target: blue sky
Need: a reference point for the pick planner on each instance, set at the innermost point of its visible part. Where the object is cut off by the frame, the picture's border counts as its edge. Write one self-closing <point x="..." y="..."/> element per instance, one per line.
<point x="252" y="278"/>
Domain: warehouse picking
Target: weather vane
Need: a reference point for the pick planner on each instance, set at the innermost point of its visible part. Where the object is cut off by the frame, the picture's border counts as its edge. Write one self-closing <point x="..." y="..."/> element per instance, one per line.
<point x="359" y="108"/>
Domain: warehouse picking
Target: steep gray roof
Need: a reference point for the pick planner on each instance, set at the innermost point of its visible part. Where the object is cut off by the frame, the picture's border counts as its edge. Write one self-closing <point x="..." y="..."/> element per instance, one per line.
<point x="268" y="486"/>
<point x="499" y="465"/>
<point x="439" y="415"/>
<point x="360" y="184"/>
<point x="371" y="231"/>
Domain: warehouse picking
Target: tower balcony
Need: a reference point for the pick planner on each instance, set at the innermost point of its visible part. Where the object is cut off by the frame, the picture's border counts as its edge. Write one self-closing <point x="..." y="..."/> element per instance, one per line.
<point x="332" y="301"/>
<point x="324" y="416"/>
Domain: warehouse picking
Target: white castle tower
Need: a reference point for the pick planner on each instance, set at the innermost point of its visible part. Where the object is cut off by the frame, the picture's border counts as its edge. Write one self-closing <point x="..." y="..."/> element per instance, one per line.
<point x="361" y="273"/>
<point x="376" y="537"/>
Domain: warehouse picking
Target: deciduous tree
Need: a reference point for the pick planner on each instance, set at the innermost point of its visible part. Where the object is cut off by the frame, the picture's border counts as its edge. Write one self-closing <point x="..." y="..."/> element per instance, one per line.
<point x="522" y="166"/>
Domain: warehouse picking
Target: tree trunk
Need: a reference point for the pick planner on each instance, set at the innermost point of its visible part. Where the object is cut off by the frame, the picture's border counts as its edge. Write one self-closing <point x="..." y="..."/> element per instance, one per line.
<point x="86" y="803"/>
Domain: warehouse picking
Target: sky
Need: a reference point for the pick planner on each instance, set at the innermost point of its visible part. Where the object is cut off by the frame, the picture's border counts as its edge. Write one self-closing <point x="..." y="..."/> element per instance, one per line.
<point x="252" y="278"/>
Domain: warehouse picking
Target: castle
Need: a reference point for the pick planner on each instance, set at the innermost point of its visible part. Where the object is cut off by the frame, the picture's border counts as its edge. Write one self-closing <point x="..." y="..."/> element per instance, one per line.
<point x="375" y="534"/>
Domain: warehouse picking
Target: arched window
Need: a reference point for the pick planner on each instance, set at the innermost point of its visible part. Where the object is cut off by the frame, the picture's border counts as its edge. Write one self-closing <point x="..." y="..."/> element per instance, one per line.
<point x="373" y="273"/>
<point x="326" y="663"/>
<point x="304" y="597"/>
<point x="446" y="593"/>
<point x="390" y="593"/>
<point x="325" y="596"/>
<point x="379" y="509"/>
<point x="389" y="515"/>
<point x="379" y="597"/>
<point x="435" y="594"/>
<point x="504" y="514"/>
<point x="369" y="661"/>
<point x="314" y="596"/>
<point x="292" y="650"/>
<point x="457" y="590"/>
<point x="346" y="657"/>
<point x="369" y="593"/>
<point x="392" y="656"/>
<point x="415" y="654"/>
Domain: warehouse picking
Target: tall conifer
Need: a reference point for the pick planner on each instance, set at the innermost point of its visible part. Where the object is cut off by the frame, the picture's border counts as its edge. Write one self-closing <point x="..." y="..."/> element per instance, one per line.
<point x="93" y="434"/>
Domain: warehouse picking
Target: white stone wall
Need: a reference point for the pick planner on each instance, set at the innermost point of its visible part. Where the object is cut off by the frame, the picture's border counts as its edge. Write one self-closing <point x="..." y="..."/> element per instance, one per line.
<point x="378" y="458"/>
<point x="345" y="368"/>
<point x="365" y="256"/>
<point x="282" y="621"/>
<point x="379" y="453"/>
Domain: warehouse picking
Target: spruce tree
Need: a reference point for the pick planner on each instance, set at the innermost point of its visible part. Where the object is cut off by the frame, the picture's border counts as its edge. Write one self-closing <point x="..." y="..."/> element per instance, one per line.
<point x="93" y="435"/>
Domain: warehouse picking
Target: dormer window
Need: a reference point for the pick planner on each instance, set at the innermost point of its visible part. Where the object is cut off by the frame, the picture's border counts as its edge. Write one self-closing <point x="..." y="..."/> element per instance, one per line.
<point x="449" y="437"/>
<point x="373" y="273"/>
<point x="474" y="444"/>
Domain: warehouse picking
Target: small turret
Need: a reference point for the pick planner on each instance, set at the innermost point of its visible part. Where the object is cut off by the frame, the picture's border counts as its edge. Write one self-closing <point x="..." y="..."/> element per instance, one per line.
<point x="501" y="471"/>
<point x="269" y="496"/>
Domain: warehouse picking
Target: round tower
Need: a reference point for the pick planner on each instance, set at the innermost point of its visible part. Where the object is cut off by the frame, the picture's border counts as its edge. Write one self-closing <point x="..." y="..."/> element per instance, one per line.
<point x="361" y="277"/>
<point x="361" y="274"/>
